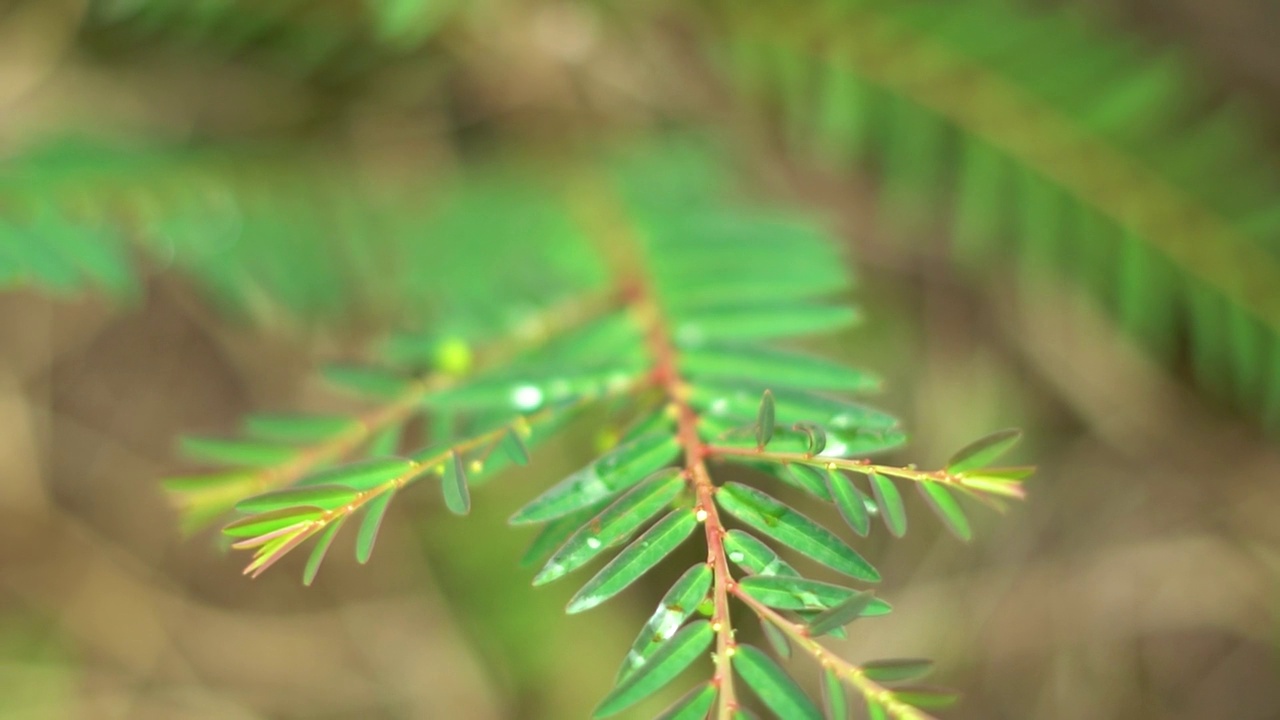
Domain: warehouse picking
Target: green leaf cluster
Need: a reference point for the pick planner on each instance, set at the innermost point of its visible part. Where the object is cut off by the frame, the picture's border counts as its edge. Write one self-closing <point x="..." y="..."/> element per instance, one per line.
<point x="693" y="375"/>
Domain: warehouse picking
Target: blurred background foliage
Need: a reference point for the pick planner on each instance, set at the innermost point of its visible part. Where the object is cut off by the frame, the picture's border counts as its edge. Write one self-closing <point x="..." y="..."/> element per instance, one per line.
<point x="1063" y="215"/>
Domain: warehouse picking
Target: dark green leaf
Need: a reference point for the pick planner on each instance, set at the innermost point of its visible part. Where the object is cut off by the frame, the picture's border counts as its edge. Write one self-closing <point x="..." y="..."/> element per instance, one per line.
<point x="680" y="602"/>
<point x="362" y="475"/>
<point x="296" y="428"/>
<point x="793" y="593"/>
<point x="897" y="670"/>
<point x="514" y="448"/>
<point x="835" y="701"/>
<point x="555" y="533"/>
<point x="981" y="453"/>
<point x="783" y="369"/>
<point x="635" y="560"/>
<point x="764" y="420"/>
<point x="669" y="661"/>
<point x="946" y="507"/>
<point x="695" y="705"/>
<point x="456" y="495"/>
<point x="621" y="469"/>
<point x="386" y="442"/>
<point x="369" y="382"/>
<point x="778" y="692"/>
<point x="249" y="453"/>
<point x="778" y="641"/>
<point x="758" y="322"/>
<point x="321" y="548"/>
<point x="789" y="527"/>
<point x="846" y="612"/>
<point x="613" y="525"/>
<point x="810" y="479"/>
<point x="849" y="501"/>
<point x="929" y="698"/>
<point x="889" y="501"/>
<point x="375" y="510"/>
<point x="327" y="497"/>
<point x="754" y="556"/>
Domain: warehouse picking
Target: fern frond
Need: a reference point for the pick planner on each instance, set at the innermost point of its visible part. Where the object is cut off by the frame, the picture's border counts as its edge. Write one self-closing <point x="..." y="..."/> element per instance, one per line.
<point x="1038" y="131"/>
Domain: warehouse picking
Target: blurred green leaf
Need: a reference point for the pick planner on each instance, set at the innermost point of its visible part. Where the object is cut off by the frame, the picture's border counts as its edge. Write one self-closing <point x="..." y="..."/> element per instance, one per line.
<point x="375" y="510"/>
<point x="889" y="501"/>
<point x="326" y="497"/>
<point x="947" y="508"/>
<point x="320" y="549"/>
<point x="783" y="368"/>
<point x="984" y="451"/>
<point x="765" y="420"/>
<point x="860" y="605"/>
<point x="897" y="670"/>
<point x="457" y="497"/>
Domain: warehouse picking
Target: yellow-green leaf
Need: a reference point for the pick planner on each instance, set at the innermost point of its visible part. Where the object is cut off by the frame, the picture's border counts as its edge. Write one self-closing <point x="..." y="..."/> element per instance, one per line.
<point x="947" y="508"/>
<point x="984" y="451"/>
<point x="889" y="501"/>
<point x="454" y="484"/>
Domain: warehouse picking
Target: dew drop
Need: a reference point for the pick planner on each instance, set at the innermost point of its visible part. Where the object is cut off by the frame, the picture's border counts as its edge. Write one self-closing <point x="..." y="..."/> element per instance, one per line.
<point x="737" y="556"/>
<point x="668" y="624"/>
<point x="700" y="516"/>
<point x="593" y="543"/>
<point x="526" y="397"/>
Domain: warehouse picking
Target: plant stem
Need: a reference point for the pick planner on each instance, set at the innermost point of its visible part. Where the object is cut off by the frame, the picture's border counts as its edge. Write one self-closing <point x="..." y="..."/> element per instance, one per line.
<point x="864" y="467"/>
<point x="667" y="376"/>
